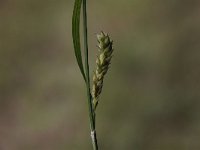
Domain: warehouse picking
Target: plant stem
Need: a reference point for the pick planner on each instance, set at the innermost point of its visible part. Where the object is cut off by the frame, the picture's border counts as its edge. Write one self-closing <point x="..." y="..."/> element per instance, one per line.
<point x="90" y="105"/>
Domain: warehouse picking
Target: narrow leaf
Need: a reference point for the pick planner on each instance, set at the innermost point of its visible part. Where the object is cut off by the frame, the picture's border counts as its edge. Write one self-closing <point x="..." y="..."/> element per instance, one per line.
<point x="76" y="35"/>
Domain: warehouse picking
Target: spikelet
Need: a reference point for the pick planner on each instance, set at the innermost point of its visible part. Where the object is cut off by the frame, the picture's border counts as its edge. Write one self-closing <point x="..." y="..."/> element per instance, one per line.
<point x="102" y="65"/>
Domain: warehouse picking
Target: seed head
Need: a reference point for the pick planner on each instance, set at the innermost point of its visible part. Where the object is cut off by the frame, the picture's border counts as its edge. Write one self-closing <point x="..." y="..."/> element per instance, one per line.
<point x="102" y="65"/>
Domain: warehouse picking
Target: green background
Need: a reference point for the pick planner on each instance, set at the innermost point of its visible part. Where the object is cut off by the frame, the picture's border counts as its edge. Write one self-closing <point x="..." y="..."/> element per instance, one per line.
<point x="151" y="95"/>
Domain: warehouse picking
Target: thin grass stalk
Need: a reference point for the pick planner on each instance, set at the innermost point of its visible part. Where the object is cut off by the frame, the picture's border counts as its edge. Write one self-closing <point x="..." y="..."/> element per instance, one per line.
<point x="89" y="97"/>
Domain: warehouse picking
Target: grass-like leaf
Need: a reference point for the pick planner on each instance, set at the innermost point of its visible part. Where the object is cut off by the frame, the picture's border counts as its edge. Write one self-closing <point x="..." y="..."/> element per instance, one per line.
<point x="76" y="35"/>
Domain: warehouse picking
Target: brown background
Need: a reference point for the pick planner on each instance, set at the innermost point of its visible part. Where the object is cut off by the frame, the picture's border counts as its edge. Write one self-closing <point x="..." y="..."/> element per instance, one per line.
<point x="151" y="94"/>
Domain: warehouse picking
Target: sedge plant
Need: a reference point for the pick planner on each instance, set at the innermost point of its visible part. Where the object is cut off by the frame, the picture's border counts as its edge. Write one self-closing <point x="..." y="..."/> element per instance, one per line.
<point x="102" y="63"/>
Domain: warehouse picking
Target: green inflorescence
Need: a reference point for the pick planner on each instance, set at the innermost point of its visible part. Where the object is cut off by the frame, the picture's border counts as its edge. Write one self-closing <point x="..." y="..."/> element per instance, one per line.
<point x="105" y="46"/>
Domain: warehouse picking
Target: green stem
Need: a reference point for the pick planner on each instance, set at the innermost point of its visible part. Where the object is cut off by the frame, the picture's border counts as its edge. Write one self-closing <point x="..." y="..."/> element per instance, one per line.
<point x="90" y="105"/>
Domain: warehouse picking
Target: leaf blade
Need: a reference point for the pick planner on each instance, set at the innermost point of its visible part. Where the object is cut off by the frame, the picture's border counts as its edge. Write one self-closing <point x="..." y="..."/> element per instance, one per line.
<point x="76" y="35"/>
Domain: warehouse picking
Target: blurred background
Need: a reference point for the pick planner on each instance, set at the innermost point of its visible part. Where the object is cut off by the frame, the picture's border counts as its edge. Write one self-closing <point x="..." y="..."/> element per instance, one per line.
<point x="151" y="95"/>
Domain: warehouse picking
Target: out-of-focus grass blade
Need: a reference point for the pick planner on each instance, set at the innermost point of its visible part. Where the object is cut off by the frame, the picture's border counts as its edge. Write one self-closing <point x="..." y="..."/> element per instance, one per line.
<point x="76" y="35"/>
